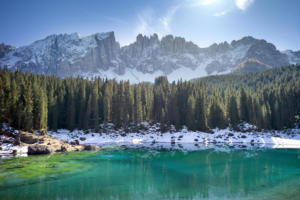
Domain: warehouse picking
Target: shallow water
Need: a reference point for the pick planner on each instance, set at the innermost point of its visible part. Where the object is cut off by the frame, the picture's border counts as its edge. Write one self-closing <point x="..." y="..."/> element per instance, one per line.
<point x="142" y="173"/>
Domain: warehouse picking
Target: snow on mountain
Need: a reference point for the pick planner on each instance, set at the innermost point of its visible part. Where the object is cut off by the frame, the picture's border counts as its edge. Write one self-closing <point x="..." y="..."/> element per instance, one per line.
<point x="148" y="57"/>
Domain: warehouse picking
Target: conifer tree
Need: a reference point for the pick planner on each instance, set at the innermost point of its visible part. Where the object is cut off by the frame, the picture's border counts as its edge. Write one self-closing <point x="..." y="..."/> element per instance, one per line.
<point x="200" y="113"/>
<point x="27" y="123"/>
<point x="107" y="102"/>
<point x="244" y="113"/>
<point x="94" y="108"/>
<point x="216" y="116"/>
<point x="232" y="111"/>
<point x="190" y="115"/>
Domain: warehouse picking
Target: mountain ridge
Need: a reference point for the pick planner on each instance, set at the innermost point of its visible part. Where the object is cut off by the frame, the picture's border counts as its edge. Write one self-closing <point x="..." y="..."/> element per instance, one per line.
<point x="250" y="65"/>
<point x="101" y="55"/>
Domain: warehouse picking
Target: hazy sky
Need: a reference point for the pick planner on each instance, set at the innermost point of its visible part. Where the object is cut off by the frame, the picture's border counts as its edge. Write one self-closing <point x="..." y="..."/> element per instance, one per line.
<point x="201" y="21"/>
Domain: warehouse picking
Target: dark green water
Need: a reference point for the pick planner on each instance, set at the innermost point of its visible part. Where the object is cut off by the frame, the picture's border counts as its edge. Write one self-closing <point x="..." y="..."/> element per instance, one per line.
<point x="120" y="173"/>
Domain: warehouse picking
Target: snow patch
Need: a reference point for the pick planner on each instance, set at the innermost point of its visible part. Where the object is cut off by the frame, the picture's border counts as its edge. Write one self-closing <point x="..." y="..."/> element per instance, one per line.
<point x="248" y="136"/>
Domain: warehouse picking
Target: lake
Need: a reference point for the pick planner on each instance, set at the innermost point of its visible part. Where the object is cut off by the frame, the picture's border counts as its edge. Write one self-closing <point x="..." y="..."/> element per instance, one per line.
<point x="119" y="172"/>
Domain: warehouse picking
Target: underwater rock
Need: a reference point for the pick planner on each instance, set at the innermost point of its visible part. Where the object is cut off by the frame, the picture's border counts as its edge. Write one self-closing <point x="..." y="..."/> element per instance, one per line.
<point x="91" y="148"/>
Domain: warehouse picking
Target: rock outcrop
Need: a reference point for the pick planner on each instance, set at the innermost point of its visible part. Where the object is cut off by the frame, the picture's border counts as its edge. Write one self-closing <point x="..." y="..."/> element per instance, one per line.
<point x="90" y="147"/>
<point x="5" y="49"/>
<point x="38" y="149"/>
<point x="66" y="55"/>
<point x="101" y="55"/>
<point x="32" y="144"/>
<point x="28" y="138"/>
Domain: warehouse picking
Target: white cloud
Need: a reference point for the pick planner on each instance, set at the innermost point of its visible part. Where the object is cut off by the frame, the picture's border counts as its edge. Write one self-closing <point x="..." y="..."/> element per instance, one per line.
<point x="243" y="4"/>
<point x="167" y="19"/>
<point x="145" y="19"/>
<point x="149" y="23"/>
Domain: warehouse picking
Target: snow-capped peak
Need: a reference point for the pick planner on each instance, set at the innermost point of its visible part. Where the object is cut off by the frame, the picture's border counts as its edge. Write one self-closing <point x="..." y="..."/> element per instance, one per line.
<point x="100" y="55"/>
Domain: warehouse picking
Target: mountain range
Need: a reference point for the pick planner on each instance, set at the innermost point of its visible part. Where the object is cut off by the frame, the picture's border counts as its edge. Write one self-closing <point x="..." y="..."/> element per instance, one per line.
<point x="101" y="55"/>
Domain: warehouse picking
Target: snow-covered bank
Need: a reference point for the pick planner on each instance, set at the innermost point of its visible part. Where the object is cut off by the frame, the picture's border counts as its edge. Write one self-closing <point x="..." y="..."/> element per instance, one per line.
<point x="248" y="136"/>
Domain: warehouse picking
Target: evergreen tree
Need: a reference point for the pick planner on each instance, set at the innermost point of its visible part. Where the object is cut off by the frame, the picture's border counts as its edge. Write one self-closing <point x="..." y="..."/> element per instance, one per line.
<point x="191" y="105"/>
<point x="94" y="111"/>
<point x="244" y="113"/>
<point x="216" y="116"/>
<point x="269" y="100"/>
<point x="107" y="102"/>
<point x="232" y="111"/>
<point x="27" y="123"/>
<point x="200" y="114"/>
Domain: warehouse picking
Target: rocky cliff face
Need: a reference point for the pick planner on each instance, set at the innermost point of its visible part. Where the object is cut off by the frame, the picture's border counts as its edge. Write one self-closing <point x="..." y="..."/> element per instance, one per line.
<point x="66" y="55"/>
<point x="100" y="55"/>
<point x="5" y="49"/>
<point x="149" y="54"/>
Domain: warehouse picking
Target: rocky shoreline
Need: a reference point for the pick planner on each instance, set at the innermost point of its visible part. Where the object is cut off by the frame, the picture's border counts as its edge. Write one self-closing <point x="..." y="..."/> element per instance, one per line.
<point x="19" y="143"/>
<point x="145" y="133"/>
<point x="14" y="142"/>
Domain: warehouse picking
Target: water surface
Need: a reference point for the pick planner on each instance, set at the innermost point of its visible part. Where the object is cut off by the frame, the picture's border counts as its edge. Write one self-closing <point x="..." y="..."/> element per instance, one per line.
<point x="142" y="173"/>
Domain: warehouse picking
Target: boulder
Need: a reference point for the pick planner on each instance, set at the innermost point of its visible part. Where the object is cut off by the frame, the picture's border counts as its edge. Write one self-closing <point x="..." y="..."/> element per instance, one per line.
<point x="75" y="142"/>
<point x="38" y="149"/>
<point x="63" y="148"/>
<point x="28" y="138"/>
<point x="91" y="148"/>
<point x="17" y="140"/>
<point x="33" y="144"/>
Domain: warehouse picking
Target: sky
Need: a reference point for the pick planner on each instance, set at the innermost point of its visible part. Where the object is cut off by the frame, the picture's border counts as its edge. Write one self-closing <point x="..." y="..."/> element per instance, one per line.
<point x="203" y="22"/>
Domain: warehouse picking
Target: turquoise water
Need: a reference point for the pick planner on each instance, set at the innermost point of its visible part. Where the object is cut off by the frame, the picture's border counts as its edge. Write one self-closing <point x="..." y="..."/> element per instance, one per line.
<point x="141" y="173"/>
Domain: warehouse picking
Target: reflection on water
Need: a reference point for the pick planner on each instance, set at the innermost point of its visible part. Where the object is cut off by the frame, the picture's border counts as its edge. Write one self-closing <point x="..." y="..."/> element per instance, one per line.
<point x="143" y="173"/>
